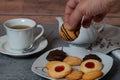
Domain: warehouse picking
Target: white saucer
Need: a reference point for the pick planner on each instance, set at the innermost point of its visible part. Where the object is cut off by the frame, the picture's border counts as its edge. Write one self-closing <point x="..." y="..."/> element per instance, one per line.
<point x="4" y="48"/>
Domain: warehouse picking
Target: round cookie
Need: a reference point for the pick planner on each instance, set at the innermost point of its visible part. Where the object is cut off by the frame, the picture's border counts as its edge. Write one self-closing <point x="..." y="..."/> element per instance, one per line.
<point x="92" y="75"/>
<point x="68" y="35"/>
<point x="72" y="60"/>
<point x="56" y="55"/>
<point x="92" y="56"/>
<point x="74" y="75"/>
<point x="59" y="70"/>
<point x="51" y="63"/>
<point x="90" y="65"/>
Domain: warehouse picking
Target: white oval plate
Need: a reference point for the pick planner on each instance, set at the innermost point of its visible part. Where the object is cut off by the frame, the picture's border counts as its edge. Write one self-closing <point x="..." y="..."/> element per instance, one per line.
<point x="4" y="48"/>
<point x="38" y="66"/>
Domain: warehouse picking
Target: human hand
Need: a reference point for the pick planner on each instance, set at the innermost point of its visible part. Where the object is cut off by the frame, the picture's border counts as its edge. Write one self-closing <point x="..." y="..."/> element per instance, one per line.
<point x="90" y="9"/>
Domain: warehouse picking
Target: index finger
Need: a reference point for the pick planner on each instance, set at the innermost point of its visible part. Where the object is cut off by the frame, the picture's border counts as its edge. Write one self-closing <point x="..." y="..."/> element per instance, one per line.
<point x="75" y="18"/>
<point x="70" y="6"/>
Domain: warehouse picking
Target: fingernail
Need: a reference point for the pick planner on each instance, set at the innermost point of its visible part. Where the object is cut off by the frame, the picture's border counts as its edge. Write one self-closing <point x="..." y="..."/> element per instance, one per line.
<point x="68" y="26"/>
<point x="85" y="24"/>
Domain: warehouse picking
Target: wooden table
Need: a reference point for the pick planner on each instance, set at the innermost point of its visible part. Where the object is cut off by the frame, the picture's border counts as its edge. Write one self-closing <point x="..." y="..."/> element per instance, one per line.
<point x="43" y="11"/>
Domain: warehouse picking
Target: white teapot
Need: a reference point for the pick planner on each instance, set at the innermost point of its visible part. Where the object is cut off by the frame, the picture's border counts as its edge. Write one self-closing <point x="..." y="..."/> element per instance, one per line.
<point x="86" y="36"/>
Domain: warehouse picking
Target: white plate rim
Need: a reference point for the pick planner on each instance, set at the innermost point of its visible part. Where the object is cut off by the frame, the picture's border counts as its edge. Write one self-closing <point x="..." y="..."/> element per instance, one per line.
<point x="37" y="62"/>
<point x="3" y="40"/>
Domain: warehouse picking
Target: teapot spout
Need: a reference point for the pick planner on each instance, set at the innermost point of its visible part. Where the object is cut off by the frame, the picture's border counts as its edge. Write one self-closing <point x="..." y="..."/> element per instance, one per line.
<point x="60" y="21"/>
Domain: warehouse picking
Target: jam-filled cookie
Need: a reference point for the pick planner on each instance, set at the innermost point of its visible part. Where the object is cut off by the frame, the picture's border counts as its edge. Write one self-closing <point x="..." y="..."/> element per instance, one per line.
<point x="90" y="65"/>
<point x="51" y="63"/>
<point x="74" y="75"/>
<point x="68" y="35"/>
<point x="59" y="70"/>
<point x="72" y="60"/>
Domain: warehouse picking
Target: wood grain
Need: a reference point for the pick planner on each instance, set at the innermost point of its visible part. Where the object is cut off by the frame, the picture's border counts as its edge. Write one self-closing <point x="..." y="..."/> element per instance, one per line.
<point x="38" y="19"/>
<point x="43" y="11"/>
<point x="32" y="7"/>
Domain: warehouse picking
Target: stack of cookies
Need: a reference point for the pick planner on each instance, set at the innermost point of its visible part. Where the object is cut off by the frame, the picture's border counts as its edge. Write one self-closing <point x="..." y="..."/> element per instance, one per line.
<point x="90" y="67"/>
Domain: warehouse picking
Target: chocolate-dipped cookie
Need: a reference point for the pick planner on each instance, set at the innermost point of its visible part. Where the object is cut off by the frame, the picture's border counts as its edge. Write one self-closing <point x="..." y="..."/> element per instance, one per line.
<point x="56" y="55"/>
<point x="68" y="35"/>
<point x="92" y="56"/>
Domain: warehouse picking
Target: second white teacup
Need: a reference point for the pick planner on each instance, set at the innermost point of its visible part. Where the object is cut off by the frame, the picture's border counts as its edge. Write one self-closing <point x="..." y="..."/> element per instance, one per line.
<point x="20" y="32"/>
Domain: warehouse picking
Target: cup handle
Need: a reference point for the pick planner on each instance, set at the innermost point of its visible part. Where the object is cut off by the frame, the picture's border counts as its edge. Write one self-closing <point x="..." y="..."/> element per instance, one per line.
<point x="41" y="33"/>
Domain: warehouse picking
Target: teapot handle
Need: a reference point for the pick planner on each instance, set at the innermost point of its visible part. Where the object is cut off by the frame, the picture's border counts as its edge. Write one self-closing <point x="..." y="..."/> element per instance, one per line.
<point x="100" y="26"/>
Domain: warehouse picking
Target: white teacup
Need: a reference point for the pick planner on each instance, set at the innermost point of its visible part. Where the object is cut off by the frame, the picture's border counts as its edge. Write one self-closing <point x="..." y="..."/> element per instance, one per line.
<point x="20" y="32"/>
<point x="86" y="36"/>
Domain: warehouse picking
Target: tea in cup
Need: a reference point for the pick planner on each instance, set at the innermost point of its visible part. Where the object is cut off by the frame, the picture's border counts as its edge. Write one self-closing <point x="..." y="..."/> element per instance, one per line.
<point x="20" y="33"/>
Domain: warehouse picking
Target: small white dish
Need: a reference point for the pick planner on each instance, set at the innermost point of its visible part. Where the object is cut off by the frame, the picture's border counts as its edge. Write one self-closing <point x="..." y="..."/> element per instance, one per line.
<point x="38" y="66"/>
<point x="4" y="48"/>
